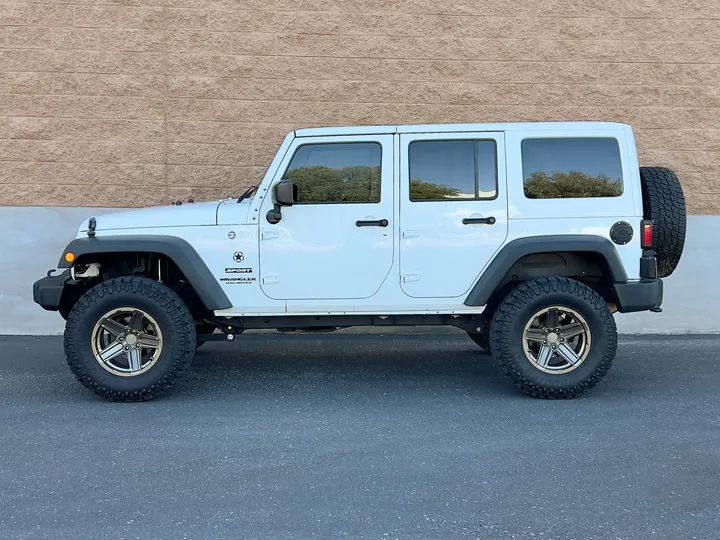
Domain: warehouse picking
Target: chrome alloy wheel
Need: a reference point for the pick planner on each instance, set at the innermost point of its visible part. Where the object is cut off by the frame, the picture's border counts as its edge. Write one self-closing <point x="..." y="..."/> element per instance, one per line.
<point x="557" y="340"/>
<point x="126" y="341"/>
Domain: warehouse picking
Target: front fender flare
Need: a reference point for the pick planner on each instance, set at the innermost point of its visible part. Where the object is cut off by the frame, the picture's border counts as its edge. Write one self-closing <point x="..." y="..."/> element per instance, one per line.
<point x="515" y="250"/>
<point x="178" y="250"/>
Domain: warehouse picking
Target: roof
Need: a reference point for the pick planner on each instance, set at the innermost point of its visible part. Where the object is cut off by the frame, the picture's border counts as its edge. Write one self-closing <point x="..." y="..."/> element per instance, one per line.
<point x="449" y="128"/>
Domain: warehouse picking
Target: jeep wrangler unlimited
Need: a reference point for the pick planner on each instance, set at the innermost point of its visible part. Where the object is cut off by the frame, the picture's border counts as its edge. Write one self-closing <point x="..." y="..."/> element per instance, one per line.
<point x="528" y="236"/>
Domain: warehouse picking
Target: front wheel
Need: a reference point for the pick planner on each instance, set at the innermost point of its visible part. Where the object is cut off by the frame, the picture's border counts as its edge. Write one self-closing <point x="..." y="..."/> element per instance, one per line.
<point x="554" y="337"/>
<point x="129" y="339"/>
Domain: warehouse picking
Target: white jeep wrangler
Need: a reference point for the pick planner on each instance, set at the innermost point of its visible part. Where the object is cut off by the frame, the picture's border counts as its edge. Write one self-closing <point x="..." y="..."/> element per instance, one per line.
<point x="527" y="236"/>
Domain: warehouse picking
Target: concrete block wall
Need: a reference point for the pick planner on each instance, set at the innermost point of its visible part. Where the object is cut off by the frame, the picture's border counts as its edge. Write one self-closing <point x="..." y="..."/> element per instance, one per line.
<point x="139" y="102"/>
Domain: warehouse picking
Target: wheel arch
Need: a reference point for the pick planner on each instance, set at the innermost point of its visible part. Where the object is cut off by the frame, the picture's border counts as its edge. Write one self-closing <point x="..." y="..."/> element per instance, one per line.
<point x="593" y="257"/>
<point x="175" y="249"/>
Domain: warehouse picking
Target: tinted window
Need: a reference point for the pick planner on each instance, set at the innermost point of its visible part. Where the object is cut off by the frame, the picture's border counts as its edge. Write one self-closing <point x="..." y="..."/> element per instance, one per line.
<point x="446" y="170"/>
<point x="571" y="168"/>
<point x="336" y="173"/>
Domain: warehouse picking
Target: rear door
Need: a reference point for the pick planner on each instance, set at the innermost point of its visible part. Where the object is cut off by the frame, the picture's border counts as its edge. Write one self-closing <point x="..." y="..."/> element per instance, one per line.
<point x="453" y="209"/>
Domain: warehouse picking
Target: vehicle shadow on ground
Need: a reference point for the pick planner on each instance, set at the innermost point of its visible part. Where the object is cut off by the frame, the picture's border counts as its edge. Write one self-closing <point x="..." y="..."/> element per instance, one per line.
<point x="306" y="367"/>
<point x="326" y="362"/>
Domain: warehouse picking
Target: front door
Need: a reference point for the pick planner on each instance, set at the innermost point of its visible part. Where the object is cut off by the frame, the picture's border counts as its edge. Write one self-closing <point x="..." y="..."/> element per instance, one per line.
<point x="453" y="208"/>
<point x="336" y="241"/>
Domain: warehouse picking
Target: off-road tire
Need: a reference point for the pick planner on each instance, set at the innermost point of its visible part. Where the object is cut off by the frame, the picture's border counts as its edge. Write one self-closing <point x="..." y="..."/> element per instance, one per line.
<point x="482" y="338"/>
<point x="664" y="203"/>
<point x="164" y="305"/>
<point x="516" y="309"/>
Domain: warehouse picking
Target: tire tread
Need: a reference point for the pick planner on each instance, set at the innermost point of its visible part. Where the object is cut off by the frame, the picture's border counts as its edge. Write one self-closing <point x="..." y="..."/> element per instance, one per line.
<point x="167" y="300"/>
<point x="664" y="203"/>
<point x="506" y="313"/>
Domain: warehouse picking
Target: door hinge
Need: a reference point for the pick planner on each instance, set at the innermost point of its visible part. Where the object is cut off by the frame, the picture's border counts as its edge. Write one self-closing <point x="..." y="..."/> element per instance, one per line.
<point x="409" y="278"/>
<point x="268" y="280"/>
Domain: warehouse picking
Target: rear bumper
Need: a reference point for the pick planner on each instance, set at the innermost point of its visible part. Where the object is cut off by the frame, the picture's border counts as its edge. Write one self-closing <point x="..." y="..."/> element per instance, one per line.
<point x="48" y="290"/>
<point x="642" y="295"/>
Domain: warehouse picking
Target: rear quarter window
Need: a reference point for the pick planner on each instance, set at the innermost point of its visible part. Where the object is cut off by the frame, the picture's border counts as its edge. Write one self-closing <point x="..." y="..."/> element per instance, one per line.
<point x="571" y="168"/>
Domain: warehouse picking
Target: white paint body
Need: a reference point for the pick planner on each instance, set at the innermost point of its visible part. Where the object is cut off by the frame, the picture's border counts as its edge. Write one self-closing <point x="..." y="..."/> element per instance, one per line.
<point x="316" y="261"/>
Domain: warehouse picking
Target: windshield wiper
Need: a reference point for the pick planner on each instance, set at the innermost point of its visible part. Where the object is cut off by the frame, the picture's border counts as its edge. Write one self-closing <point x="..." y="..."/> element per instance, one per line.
<point x="248" y="192"/>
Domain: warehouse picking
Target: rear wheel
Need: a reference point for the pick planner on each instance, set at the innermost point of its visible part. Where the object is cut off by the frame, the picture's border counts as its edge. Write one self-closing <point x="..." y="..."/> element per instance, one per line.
<point x="129" y="339"/>
<point x="554" y="337"/>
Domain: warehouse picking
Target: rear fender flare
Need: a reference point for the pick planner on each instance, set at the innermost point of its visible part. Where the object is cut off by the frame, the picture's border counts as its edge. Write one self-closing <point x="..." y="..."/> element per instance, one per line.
<point x="513" y="251"/>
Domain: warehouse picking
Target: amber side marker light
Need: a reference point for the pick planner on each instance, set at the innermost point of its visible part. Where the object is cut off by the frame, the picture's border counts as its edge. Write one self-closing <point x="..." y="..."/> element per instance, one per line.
<point x="69" y="257"/>
<point x="646" y="233"/>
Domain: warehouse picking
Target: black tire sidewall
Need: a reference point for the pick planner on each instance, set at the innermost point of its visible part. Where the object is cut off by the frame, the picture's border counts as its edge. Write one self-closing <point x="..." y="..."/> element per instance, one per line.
<point x="664" y="204"/>
<point x="96" y="304"/>
<point x="509" y="344"/>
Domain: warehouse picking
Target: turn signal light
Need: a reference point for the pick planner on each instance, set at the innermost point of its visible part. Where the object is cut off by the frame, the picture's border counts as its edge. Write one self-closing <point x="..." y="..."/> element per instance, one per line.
<point x="646" y="233"/>
<point x="69" y="257"/>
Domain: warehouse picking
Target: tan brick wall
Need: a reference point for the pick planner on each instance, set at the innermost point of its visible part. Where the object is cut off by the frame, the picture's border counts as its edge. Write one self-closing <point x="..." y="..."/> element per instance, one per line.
<point x="137" y="102"/>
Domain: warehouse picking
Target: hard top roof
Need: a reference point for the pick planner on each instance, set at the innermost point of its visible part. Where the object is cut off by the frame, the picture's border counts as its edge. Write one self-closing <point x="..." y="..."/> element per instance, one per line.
<point x="449" y="128"/>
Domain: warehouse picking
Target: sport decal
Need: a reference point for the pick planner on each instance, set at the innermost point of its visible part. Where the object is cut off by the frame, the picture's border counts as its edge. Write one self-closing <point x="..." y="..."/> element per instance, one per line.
<point x="238" y="270"/>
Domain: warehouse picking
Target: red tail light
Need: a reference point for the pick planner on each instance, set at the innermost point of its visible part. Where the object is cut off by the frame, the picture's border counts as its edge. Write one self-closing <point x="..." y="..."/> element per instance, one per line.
<point x="646" y="233"/>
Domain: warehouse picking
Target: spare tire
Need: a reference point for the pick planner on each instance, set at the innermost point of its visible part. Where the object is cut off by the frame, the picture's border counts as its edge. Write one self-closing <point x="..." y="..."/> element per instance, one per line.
<point x="664" y="204"/>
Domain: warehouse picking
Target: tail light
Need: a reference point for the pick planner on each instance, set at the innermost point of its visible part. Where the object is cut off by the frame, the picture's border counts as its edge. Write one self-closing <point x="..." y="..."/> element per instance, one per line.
<point x="647" y="233"/>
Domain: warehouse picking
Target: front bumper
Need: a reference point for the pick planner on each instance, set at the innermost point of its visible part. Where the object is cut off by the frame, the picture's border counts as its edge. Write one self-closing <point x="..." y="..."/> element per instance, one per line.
<point x="48" y="291"/>
<point x="642" y="295"/>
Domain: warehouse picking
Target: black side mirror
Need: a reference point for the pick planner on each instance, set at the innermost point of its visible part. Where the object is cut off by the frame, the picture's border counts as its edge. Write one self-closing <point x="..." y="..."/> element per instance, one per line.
<point x="286" y="193"/>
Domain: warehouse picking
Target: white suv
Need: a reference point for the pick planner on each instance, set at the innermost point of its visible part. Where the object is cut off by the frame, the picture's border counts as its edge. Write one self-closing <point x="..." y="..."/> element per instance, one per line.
<point x="528" y="236"/>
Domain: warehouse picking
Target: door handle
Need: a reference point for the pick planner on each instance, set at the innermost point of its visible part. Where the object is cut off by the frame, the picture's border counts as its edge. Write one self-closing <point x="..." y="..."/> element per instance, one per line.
<point x="482" y="220"/>
<point x="372" y="223"/>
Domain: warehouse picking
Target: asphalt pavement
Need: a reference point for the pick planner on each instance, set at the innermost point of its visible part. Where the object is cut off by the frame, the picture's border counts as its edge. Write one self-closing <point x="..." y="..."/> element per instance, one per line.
<point x="331" y="436"/>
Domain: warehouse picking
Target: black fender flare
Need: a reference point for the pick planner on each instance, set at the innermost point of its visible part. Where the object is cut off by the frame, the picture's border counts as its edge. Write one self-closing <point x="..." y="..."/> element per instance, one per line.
<point x="176" y="249"/>
<point x="516" y="249"/>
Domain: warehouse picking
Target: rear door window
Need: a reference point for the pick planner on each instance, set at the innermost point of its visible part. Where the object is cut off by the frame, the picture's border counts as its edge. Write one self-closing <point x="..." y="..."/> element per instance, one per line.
<point x="452" y="170"/>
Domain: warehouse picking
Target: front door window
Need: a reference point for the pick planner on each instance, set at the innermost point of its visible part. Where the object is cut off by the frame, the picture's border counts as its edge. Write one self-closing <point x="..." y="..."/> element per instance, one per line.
<point x="337" y="173"/>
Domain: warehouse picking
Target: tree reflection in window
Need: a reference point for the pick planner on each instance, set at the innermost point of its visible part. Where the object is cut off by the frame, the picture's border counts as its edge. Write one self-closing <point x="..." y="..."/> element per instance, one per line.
<point x="572" y="168"/>
<point x="427" y="190"/>
<point x="318" y="183"/>
<point x="574" y="184"/>
<point x="337" y="172"/>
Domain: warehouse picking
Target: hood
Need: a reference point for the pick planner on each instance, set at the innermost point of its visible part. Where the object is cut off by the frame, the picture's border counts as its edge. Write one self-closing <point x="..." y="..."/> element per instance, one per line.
<point x="187" y="214"/>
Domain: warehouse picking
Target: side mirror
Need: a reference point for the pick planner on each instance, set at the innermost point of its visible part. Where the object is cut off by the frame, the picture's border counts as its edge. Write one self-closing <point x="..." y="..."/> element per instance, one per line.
<point x="286" y="193"/>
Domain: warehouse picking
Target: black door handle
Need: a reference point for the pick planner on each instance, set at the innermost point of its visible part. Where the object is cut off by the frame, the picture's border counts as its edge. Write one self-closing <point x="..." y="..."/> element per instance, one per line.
<point x="372" y="223"/>
<point x="483" y="220"/>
